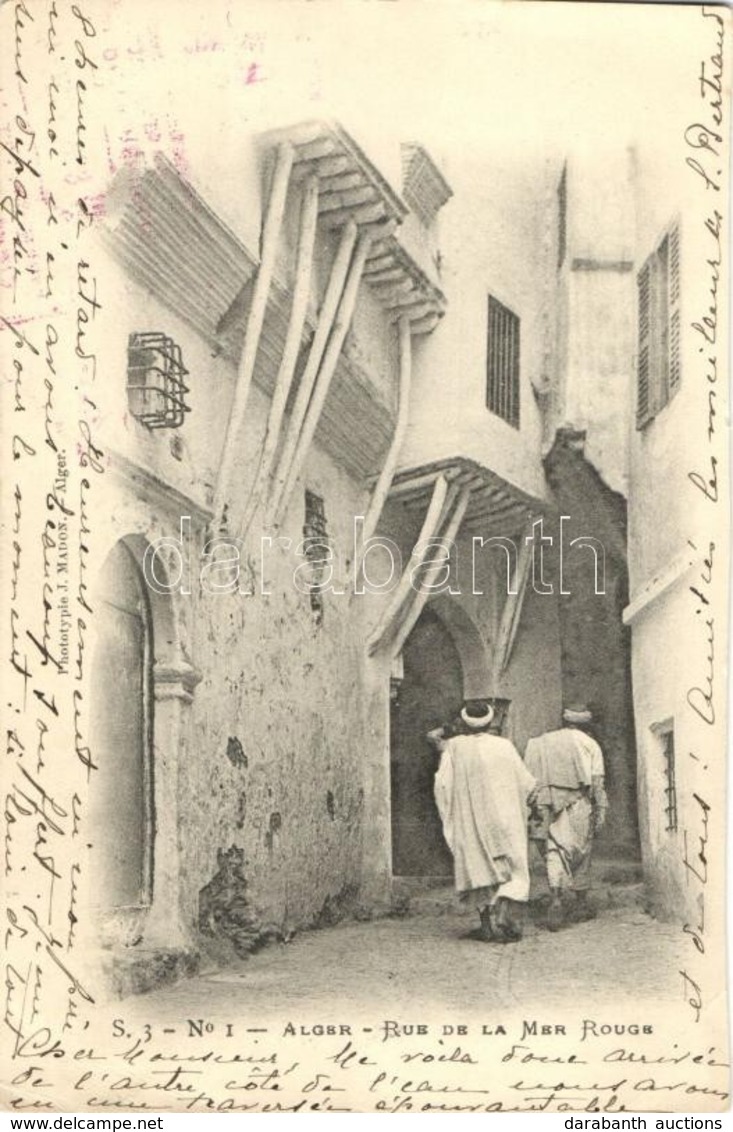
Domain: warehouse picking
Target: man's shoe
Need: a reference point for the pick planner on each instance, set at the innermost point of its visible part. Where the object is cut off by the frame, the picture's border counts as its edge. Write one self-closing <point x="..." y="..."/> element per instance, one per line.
<point x="486" y="930"/>
<point x="507" y="928"/>
<point x="512" y="920"/>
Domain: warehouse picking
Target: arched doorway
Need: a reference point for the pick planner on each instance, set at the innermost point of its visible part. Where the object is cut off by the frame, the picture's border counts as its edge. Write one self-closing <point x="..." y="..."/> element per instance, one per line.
<point x="429" y="695"/>
<point x="122" y="702"/>
<point x="141" y="689"/>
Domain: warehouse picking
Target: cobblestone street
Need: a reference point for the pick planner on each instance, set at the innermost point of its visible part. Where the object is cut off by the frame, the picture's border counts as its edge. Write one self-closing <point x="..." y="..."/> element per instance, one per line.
<point x="414" y="1013"/>
<point x="431" y="958"/>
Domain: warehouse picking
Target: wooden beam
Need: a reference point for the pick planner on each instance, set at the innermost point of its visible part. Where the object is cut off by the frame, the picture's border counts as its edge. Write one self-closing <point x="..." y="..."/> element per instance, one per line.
<point x="326" y="372"/>
<point x="383" y="484"/>
<point x="332" y="166"/>
<point x="360" y="214"/>
<point x="413" y="313"/>
<point x="414" y="486"/>
<point x="427" y="324"/>
<point x="383" y="628"/>
<point x="379" y="263"/>
<point x="421" y="596"/>
<point x="512" y="612"/>
<point x="406" y="485"/>
<point x="284" y="379"/>
<point x="382" y="230"/>
<point x="326" y="317"/>
<point x="362" y="194"/>
<point x="450" y="499"/>
<point x="341" y="181"/>
<point x="312" y="150"/>
<point x="409" y="299"/>
<point x="255" y="319"/>
<point x="509" y="516"/>
<point x="389" y="275"/>
<point x="391" y="293"/>
<point x="299" y="134"/>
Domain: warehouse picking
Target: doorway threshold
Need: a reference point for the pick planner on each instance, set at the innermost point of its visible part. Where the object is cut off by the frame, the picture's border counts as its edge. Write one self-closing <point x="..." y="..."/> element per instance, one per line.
<point x="424" y="894"/>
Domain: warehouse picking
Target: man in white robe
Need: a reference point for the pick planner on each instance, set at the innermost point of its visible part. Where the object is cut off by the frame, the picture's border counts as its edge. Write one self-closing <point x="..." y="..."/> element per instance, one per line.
<point x="481" y="790"/>
<point x="571" y="803"/>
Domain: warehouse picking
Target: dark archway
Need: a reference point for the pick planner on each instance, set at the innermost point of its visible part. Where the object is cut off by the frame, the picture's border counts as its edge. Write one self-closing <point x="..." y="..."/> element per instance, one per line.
<point x="142" y="684"/>
<point x="122" y="701"/>
<point x="429" y="695"/>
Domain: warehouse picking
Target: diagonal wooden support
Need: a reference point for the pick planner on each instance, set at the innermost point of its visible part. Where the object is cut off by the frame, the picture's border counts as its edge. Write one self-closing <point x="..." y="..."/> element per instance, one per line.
<point x="447" y="510"/>
<point x="384" y="483"/>
<point x="429" y="528"/>
<point x="298" y="311"/>
<point x="326" y="316"/>
<point x="512" y="611"/>
<point x="255" y="319"/>
<point x="413" y="486"/>
<point x="327" y="370"/>
<point x="421" y="596"/>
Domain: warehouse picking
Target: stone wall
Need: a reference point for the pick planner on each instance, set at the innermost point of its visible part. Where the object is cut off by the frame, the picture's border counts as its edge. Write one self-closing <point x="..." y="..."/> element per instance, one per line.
<point x="661" y="676"/>
<point x="260" y="810"/>
<point x="279" y="732"/>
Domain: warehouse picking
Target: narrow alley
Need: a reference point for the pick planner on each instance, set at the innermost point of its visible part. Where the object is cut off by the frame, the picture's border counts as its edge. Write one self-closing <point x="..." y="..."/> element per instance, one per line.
<point x="429" y="958"/>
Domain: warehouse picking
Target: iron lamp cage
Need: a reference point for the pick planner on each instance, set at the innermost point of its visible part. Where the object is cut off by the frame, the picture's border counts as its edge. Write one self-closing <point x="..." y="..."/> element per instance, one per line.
<point x="156" y="391"/>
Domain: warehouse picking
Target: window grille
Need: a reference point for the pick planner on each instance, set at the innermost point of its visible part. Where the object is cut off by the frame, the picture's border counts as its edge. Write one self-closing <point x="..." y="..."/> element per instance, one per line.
<point x="670" y="782"/>
<point x="502" y="378"/>
<point x="317" y="550"/>
<point x="156" y="393"/>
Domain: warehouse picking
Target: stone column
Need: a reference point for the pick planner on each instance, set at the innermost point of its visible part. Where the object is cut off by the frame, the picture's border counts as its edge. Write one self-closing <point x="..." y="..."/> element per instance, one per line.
<point x="169" y="923"/>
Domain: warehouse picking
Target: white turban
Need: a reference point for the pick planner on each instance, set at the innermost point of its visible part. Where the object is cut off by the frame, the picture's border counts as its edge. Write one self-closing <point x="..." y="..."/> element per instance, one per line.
<point x="577" y="715"/>
<point x="478" y="721"/>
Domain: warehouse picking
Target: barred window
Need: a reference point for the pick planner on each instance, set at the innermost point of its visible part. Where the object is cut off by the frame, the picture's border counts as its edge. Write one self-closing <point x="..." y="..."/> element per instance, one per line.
<point x="658" y="362"/>
<point x="664" y="739"/>
<point x="317" y="549"/>
<point x="670" y="780"/>
<point x="502" y="367"/>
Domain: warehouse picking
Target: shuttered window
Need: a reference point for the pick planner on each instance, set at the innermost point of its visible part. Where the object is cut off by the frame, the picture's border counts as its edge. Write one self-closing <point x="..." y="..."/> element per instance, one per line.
<point x="502" y="366"/>
<point x="658" y="346"/>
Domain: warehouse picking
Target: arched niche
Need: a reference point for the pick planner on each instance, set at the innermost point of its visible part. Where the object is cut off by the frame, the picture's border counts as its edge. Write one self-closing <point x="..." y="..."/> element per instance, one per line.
<point x="122" y="704"/>
<point x="141" y="689"/>
<point x="444" y="661"/>
<point x="472" y="649"/>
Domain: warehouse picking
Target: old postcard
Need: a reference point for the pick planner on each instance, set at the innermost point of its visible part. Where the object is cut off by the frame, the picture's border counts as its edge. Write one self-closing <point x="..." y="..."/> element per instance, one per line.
<point x="365" y="564"/>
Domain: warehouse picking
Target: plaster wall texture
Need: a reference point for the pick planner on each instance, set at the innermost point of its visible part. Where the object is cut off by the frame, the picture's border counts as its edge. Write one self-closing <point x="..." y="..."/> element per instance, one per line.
<point x="272" y="758"/>
<point x="506" y="256"/>
<point x="599" y="359"/>
<point x="601" y="221"/>
<point x="595" y="305"/>
<point x="273" y="761"/>
<point x="672" y="518"/>
<point x="660" y="690"/>
<point x="664" y="504"/>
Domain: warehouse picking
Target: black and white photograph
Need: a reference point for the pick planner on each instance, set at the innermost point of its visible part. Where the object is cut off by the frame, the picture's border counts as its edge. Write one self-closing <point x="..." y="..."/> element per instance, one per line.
<point x="366" y="517"/>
